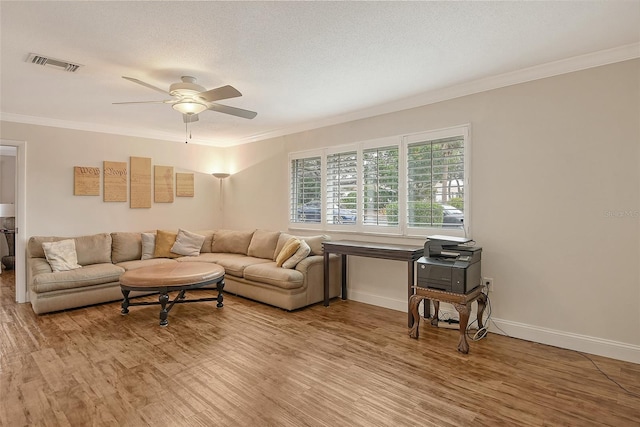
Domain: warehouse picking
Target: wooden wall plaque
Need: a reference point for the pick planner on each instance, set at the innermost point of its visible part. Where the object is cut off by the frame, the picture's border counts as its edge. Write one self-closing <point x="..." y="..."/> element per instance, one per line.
<point x="163" y="184"/>
<point x="184" y="185"/>
<point x="140" y="182"/>
<point x="115" y="182"/>
<point x="86" y="181"/>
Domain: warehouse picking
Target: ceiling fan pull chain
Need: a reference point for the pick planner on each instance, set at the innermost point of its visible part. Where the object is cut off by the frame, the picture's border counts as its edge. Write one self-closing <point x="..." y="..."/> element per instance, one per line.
<point x="186" y="129"/>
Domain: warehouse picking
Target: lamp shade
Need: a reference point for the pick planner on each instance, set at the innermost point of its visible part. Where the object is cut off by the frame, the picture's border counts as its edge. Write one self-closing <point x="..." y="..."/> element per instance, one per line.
<point x="189" y="107"/>
<point x="7" y="210"/>
<point x="221" y="175"/>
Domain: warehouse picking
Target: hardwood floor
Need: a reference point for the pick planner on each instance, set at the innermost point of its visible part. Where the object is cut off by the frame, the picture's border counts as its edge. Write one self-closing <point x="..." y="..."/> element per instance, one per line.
<point x="350" y="364"/>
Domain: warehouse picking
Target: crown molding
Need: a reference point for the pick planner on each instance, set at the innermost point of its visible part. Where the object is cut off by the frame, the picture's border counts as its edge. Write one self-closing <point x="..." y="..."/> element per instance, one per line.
<point x="564" y="66"/>
<point x="550" y="69"/>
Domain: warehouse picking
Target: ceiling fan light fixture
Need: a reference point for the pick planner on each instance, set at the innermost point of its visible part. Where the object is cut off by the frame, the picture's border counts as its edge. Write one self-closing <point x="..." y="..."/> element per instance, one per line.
<point x="189" y="107"/>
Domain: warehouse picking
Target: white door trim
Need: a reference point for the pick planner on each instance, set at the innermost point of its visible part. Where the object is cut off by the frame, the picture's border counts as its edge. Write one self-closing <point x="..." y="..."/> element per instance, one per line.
<point x="21" y="218"/>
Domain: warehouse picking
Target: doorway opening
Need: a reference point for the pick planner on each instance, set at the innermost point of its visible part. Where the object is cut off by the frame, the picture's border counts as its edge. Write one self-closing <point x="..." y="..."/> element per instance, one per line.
<point x="13" y="213"/>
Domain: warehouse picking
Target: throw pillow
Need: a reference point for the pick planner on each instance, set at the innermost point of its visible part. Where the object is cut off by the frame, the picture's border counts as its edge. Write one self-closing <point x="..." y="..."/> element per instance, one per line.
<point x="303" y="251"/>
<point x="187" y="243"/>
<point x="148" y="245"/>
<point x="164" y="242"/>
<point x="290" y="248"/>
<point x="61" y="255"/>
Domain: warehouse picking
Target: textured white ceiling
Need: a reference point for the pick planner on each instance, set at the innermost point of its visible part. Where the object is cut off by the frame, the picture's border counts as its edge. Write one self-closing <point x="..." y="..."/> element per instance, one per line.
<point x="298" y="64"/>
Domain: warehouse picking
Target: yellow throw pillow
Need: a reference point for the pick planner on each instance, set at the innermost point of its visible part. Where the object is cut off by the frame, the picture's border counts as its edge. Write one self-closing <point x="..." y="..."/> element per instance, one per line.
<point x="164" y="242"/>
<point x="290" y="248"/>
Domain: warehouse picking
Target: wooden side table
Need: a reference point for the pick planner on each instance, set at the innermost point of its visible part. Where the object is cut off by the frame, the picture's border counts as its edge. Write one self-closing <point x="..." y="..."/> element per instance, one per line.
<point x="461" y="302"/>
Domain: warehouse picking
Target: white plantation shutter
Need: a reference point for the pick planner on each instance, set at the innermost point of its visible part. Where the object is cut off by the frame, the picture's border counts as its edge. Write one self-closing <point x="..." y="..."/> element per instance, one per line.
<point x="435" y="178"/>
<point x="306" y="187"/>
<point x="380" y="186"/>
<point x="342" y="187"/>
<point x="406" y="185"/>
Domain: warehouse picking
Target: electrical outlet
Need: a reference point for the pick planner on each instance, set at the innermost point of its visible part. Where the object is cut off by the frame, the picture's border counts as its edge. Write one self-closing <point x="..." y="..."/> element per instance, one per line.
<point x="488" y="282"/>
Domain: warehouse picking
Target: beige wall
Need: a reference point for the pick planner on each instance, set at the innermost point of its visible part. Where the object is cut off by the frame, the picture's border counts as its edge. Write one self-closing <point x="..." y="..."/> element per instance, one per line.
<point x="555" y="198"/>
<point x="52" y="209"/>
<point x="555" y="202"/>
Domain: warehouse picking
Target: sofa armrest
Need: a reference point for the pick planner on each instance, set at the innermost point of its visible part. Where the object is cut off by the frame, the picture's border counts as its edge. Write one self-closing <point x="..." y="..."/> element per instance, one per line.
<point x="39" y="266"/>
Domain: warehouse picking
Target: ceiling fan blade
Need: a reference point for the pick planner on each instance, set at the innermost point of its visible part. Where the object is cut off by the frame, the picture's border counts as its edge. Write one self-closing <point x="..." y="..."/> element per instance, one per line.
<point x="246" y="114"/>
<point x="190" y="118"/>
<point x="140" y="82"/>
<point x="223" y="92"/>
<point x="145" y="102"/>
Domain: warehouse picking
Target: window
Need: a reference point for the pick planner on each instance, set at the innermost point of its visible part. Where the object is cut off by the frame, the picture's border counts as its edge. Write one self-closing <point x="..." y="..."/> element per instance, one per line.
<point x="306" y="190"/>
<point x="435" y="183"/>
<point x="342" y="188"/>
<point x="412" y="185"/>
<point x="380" y="185"/>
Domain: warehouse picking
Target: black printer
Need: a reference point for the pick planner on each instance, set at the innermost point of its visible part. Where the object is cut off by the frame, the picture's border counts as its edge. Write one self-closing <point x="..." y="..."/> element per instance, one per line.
<point x="450" y="264"/>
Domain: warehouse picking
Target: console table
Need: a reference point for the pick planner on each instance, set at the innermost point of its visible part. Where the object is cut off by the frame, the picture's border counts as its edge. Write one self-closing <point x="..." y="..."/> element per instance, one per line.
<point x="406" y="253"/>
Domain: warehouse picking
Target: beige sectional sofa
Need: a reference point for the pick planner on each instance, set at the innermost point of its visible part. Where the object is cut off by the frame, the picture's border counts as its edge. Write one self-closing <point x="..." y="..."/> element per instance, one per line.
<point x="248" y="257"/>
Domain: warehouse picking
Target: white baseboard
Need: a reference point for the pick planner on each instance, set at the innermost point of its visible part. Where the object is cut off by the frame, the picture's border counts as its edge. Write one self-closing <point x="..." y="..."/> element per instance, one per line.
<point x="562" y="339"/>
<point x="583" y="343"/>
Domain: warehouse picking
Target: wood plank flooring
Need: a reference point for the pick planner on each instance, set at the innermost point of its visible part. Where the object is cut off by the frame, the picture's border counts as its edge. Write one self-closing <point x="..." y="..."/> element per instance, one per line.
<point x="247" y="364"/>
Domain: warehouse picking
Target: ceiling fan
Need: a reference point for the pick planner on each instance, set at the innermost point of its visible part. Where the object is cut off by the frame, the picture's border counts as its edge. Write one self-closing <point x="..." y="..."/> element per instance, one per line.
<point x="190" y="99"/>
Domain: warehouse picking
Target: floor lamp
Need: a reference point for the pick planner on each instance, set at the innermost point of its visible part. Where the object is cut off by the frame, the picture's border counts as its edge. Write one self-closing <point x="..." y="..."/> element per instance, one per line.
<point x="221" y="176"/>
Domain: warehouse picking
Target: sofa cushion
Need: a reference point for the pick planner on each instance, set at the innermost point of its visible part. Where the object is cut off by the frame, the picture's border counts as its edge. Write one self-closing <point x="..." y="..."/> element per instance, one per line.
<point x="208" y="257"/>
<point x="95" y="274"/>
<point x="164" y="242"/>
<point x="263" y="244"/>
<point x="208" y="240"/>
<point x="93" y="249"/>
<point x="234" y="264"/>
<point x="290" y="248"/>
<point x="137" y="263"/>
<point x="303" y="251"/>
<point x="125" y="246"/>
<point x="187" y="243"/>
<point x="231" y="241"/>
<point x="271" y="274"/>
<point x="61" y="255"/>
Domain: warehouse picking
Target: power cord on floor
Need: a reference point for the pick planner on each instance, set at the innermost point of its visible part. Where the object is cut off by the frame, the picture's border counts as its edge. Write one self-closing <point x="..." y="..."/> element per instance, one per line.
<point x="630" y="393"/>
<point x="486" y="326"/>
<point x="482" y="333"/>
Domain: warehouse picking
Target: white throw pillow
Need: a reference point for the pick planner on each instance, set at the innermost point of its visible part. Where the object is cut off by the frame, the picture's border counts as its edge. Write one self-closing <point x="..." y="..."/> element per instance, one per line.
<point x="61" y="255"/>
<point x="148" y="245"/>
<point x="303" y="251"/>
<point x="187" y="243"/>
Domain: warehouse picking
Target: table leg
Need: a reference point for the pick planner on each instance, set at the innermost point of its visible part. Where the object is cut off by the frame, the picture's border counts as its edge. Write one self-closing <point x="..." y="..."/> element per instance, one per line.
<point x="164" y="298"/>
<point x="414" y="302"/>
<point x="463" y="309"/>
<point x="482" y="304"/>
<point x="219" y="287"/>
<point x="410" y="280"/>
<point x="326" y="278"/>
<point x="436" y="311"/>
<point x="125" y="302"/>
<point x="344" y="277"/>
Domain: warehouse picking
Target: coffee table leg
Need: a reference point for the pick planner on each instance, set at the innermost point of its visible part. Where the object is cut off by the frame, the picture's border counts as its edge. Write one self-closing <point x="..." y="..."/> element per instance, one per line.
<point x="164" y="298"/>
<point x="125" y="302"/>
<point x="219" y="287"/>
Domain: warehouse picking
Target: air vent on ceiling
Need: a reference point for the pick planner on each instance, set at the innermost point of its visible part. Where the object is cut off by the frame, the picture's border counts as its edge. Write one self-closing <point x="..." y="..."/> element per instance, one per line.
<point x="56" y="63"/>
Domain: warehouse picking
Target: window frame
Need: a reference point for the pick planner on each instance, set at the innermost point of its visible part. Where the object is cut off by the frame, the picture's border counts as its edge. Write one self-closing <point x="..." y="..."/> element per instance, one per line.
<point x="401" y="142"/>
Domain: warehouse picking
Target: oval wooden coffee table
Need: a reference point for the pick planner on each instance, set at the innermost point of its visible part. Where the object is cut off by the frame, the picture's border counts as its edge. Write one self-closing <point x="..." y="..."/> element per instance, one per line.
<point x="165" y="278"/>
